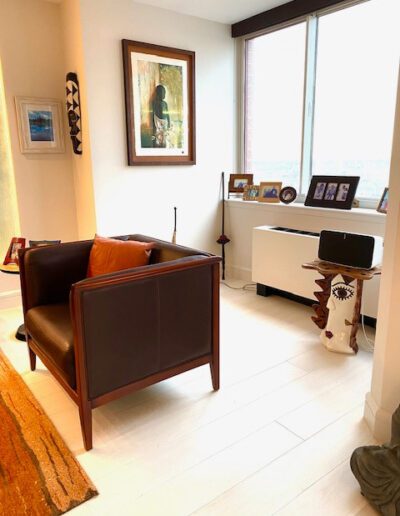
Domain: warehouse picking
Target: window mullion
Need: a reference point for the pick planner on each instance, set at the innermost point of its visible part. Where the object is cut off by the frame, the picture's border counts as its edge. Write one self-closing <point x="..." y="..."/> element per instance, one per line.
<point x="309" y="103"/>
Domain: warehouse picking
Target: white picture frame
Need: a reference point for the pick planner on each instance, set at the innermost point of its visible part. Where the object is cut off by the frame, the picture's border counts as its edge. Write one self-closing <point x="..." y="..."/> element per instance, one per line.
<point x="40" y="125"/>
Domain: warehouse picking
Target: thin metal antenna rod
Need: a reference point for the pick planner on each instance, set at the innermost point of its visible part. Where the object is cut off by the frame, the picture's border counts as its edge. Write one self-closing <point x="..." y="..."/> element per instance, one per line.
<point x="223" y="239"/>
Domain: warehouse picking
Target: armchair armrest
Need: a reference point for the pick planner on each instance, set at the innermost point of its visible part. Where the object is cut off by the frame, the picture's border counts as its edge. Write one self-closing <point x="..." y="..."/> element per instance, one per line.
<point x="47" y="273"/>
<point x="144" y="271"/>
<point x="132" y="324"/>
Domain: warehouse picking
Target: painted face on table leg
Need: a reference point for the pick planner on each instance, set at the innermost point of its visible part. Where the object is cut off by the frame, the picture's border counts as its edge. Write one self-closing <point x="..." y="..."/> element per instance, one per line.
<point x="336" y="335"/>
<point x="342" y="291"/>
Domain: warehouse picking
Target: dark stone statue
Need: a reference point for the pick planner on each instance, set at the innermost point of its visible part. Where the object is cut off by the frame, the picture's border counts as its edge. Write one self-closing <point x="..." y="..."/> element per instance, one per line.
<point x="377" y="469"/>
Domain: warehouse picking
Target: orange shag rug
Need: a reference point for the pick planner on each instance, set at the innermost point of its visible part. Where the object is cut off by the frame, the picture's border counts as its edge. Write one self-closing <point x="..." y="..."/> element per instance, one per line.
<point x="38" y="473"/>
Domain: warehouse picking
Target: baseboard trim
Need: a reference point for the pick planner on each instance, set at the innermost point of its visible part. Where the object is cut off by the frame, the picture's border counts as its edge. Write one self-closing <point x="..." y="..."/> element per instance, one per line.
<point x="10" y="299"/>
<point x="378" y="419"/>
<point x="241" y="273"/>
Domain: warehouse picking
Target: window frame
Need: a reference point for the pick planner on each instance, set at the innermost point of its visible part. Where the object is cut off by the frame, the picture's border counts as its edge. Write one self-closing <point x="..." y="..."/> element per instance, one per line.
<point x="310" y="75"/>
<point x="243" y="42"/>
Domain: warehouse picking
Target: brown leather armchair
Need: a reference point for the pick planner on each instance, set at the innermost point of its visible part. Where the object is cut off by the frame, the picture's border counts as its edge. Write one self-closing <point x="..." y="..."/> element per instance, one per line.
<point x="110" y="335"/>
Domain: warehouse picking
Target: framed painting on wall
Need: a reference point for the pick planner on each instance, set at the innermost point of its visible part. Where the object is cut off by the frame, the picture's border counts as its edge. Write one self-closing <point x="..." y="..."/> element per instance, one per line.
<point x="160" y="104"/>
<point x="40" y="125"/>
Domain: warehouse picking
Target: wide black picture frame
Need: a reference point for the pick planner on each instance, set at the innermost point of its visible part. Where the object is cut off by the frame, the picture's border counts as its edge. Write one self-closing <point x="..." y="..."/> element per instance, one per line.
<point x="332" y="192"/>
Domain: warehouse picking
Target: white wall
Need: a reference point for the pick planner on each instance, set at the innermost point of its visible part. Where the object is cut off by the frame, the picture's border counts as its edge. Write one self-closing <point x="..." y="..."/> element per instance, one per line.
<point x="81" y="164"/>
<point x="141" y="199"/>
<point x="32" y="56"/>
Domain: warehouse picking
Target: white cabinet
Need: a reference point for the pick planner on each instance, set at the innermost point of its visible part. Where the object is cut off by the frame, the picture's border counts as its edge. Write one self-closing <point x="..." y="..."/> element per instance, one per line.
<point x="277" y="256"/>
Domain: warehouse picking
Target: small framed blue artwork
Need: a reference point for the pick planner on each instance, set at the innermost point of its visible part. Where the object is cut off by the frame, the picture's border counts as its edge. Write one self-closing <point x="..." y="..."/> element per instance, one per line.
<point x="40" y="125"/>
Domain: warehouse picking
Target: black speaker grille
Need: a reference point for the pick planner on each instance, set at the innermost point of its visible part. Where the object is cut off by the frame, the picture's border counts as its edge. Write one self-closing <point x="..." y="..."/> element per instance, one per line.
<point x="347" y="249"/>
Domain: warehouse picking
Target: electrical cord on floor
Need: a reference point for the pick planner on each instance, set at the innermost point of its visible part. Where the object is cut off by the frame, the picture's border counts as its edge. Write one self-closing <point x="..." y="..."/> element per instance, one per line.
<point x="247" y="286"/>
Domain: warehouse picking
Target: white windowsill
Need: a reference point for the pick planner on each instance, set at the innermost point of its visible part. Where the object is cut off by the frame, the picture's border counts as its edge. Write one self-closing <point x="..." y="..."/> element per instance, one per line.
<point x="362" y="214"/>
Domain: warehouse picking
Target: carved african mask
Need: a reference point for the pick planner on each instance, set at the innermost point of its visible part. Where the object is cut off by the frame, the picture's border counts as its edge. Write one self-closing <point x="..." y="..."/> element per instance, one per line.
<point x="74" y="111"/>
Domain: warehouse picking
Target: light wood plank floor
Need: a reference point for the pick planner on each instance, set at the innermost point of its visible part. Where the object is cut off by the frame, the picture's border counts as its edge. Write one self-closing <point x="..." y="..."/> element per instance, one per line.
<point x="276" y="439"/>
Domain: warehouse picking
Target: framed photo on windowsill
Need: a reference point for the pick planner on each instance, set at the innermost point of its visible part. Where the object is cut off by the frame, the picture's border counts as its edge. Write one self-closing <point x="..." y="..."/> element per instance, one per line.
<point x="237" y="182"/>
<point x="269" y="191"/>
<point x="332" y="192"/>
<point x="40" y="125"/>
<point x="250" y="192"/>
<point x="160" y="104"/>
<point x="384" y="201"/>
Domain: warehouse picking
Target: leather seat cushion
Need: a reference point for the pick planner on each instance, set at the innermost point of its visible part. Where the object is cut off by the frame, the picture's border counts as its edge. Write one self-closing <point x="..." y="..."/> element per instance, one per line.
<point x="51" y="329"/>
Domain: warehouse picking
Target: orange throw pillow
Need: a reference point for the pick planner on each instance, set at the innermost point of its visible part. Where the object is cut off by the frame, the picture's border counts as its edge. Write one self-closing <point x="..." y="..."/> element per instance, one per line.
<point x="110" y="255"/>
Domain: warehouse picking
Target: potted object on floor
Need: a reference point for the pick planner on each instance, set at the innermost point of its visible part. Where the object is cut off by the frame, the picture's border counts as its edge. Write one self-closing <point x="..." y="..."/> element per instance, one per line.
<point x="377" y="469"/>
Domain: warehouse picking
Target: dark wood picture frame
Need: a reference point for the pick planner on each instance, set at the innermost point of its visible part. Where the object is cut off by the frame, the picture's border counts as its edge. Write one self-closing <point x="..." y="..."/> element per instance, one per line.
<point x="12" y="252"/>
<point x="247" y="179"/>
<point x="384" y="201"/>
<point x="288" y="194"/>
<point x="159" y="154"/>
<point x="332" y="192"/>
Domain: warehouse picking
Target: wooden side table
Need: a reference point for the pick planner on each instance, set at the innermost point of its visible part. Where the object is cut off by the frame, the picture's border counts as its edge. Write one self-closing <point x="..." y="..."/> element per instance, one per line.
<point x="12" y="268"/>
<point x="339" y="304"/>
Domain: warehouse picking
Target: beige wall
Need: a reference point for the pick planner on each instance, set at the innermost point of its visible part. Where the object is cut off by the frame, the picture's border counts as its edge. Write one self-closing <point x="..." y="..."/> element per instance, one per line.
<point x="141" y="199"/>
<point x="384" y="396"/>
<point x="32" y="55"/>
<point x="81" y="164"/>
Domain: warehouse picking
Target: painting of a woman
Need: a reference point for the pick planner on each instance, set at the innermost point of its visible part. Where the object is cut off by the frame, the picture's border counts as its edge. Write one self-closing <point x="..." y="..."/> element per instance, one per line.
<point x="161" y="118"/>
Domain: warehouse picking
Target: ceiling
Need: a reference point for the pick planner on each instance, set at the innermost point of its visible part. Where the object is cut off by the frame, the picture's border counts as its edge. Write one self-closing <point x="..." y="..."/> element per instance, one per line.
<point x="223" y="11"/>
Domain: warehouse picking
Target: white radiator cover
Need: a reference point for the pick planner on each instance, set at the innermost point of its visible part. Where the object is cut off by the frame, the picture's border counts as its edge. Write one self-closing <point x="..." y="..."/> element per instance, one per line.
<point x="277" y="257"/>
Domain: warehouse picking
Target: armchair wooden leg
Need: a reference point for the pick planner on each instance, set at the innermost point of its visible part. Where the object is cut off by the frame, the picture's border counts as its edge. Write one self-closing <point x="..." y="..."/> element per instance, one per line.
<point x="32" y="359"/>
<point x="214" y="364"/>
<point x="214" y="367"/>
<point x="85" y="415"/>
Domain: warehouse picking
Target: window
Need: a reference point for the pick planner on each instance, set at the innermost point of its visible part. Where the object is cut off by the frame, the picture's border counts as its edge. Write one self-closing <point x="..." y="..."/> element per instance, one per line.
<point x="320" y="97"/>
<point x="274" y="104"/>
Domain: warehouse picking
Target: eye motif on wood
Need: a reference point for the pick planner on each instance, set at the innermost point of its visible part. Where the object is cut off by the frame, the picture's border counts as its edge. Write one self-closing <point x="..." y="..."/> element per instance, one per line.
<point x="74" y="111"/>
<point x="342" y="292"/>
